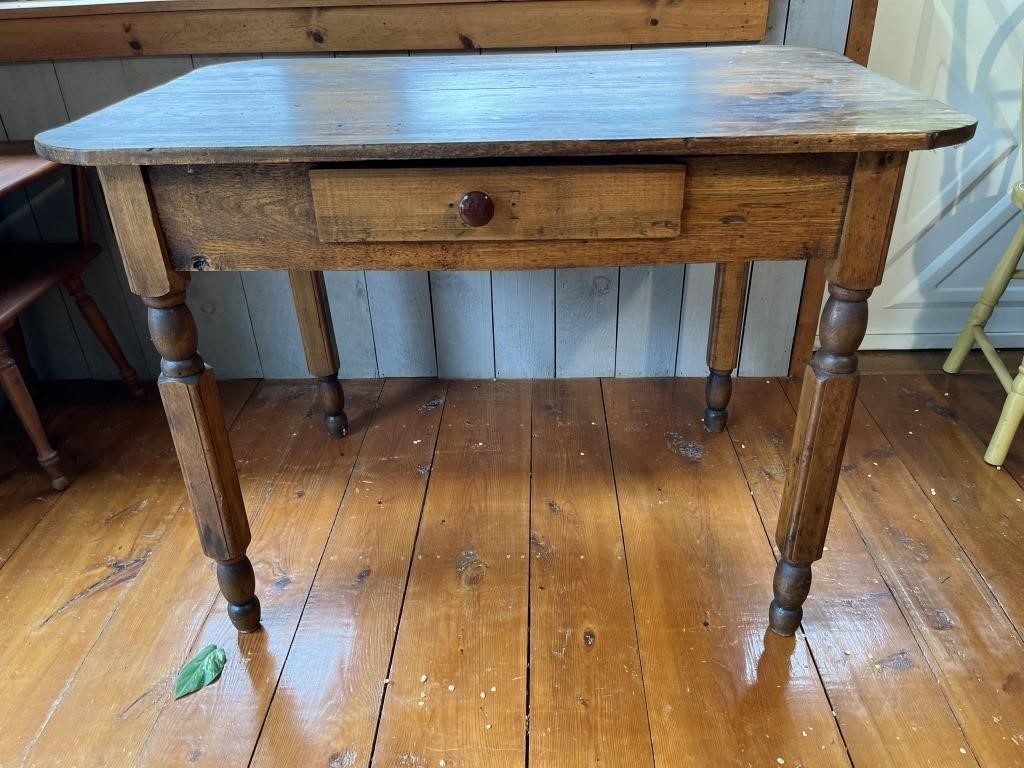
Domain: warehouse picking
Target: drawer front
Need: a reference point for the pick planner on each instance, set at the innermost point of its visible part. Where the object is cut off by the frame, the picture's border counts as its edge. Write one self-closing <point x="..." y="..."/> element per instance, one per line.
<point x="610" y="202"/>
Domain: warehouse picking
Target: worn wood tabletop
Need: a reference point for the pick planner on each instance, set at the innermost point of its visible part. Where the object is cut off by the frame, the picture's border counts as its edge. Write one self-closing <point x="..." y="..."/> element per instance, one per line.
<point x="719" y="100"/>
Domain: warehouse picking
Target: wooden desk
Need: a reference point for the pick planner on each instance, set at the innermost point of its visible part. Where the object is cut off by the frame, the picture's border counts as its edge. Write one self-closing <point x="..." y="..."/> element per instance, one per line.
<point x="725" y="155"/>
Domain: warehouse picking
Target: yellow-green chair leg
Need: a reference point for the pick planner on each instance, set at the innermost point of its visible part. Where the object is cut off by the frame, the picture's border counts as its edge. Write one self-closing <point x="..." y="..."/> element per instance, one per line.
<point x="1009" y="420"/>
<point x="994" y="289"/>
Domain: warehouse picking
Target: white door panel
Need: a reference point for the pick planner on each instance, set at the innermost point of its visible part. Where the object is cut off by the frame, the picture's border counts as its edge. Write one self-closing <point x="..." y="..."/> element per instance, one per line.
<point x="955" y="216"/>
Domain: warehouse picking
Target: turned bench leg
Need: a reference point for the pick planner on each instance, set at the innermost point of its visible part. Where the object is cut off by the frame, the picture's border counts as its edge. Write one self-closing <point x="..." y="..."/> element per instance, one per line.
<point x="189" y="393"/>
<point x="822" y="422"/>
<point x="101" y="329"/>
<point x="314" y="313"/>
<point x="21" y="400"/>
<point x="724" y="342"/>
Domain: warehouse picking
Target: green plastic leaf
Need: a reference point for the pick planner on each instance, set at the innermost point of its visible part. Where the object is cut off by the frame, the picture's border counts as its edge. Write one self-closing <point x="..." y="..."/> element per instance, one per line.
<point x="201" y="671"/>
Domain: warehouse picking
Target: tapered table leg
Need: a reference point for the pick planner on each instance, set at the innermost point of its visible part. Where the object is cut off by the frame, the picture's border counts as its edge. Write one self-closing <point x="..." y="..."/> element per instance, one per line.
<point x="314" y="313"/>
<point x="189" y="393"/>
<point x="822" y="422"/>
<point x="830" y="381"/>
<point x="724" y="342"/>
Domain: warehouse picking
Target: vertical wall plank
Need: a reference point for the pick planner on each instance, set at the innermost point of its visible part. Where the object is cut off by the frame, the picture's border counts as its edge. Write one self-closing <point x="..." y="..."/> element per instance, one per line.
<point x="775" y="32"/>
<point x="524" y="323"/>
<point x="274" y="325"/>
<point x="586" y="303"/>
<point x="350" y="311"/>
<point x="402" y="323"/>
<point x="772" y="303"/>
<point x="695" y="320"/>
<point x="819" y="23"/>
<point x="463" y="325"/>
<point x="650" y="302"/>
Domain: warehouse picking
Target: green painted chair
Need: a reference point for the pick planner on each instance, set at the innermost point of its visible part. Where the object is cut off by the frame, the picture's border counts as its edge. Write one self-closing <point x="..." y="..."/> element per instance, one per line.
<point x="974" y="332"/>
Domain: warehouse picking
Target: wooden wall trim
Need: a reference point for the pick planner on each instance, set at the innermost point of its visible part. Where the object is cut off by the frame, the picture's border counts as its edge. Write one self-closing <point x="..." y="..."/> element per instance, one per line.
<point x="162" y="27"/>
<point x="858" y="48"/>
<point x="46" y="8"/>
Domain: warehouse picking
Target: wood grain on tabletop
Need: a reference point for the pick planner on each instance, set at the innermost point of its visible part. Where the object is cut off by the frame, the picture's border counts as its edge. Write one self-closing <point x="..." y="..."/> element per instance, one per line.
<point x="736" y="209"/>
<point x="458" y="678"/>
<point x="587" y="704"/>
<point x="890" y="707"/>
<point x="970" y="644"/>
<point x="122" y="703"/>
<point x="701" y="570"/>
<point x="715" y="100"/>
<point x="334" y="681"/>
<point x="983" y="506"/>
<point x="75" y="567"/>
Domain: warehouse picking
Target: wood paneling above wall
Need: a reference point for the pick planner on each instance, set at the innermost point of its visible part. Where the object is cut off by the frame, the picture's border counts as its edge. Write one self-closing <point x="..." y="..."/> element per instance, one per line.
<point x="161" y="27"/>
<point x="636" y="321"/>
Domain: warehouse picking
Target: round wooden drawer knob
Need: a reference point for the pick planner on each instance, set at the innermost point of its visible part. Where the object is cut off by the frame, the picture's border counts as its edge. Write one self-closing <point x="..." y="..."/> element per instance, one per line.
<point x="476" y="209"/>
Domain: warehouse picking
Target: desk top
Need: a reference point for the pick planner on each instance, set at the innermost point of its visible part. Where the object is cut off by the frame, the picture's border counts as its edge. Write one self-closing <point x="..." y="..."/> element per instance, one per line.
<point x="717" y="100"/>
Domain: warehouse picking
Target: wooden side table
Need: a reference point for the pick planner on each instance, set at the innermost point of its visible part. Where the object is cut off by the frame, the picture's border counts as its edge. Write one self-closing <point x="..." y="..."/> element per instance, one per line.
<point x="726" y="155"/>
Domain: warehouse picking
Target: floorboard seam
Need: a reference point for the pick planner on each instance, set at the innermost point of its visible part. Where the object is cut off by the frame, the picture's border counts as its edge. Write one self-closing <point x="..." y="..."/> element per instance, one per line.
<point x="312" y="581"/>
<point x="629" y="578"/>
<point x="408" y="573"/>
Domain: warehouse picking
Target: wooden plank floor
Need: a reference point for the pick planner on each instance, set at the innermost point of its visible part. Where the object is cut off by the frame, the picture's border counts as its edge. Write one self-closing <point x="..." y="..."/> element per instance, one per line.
<point x="553" y="573"/>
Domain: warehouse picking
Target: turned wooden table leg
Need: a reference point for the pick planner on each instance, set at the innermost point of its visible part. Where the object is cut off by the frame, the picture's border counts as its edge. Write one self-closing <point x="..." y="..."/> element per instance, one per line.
<point x="188" y="390"/>
<point x="21" y="400"/>
<point x="314" y="313"/>
<point x="724" y="342"/>
<point x="101" y="329"/>
<point x="830" y="382"/>
<point x="189" y="393"/>
<point x="822" y="422"/>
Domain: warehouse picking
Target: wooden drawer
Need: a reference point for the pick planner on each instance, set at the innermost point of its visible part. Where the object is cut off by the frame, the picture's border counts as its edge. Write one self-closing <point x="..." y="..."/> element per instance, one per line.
<point x="554" y="202"/>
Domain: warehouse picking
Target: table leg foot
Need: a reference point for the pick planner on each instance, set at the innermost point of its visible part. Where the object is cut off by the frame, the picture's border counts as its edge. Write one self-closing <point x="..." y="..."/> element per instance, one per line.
<point x="238" y="585"/>
<point x="314" y="313"/>
<point x="332" y="398"/>
<point x="791" y="586"/>
<point x="718" y="393"/>
<point x="51" y="464"/>
<point x="727" y="309"/>
<point x="827" y="399"/>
